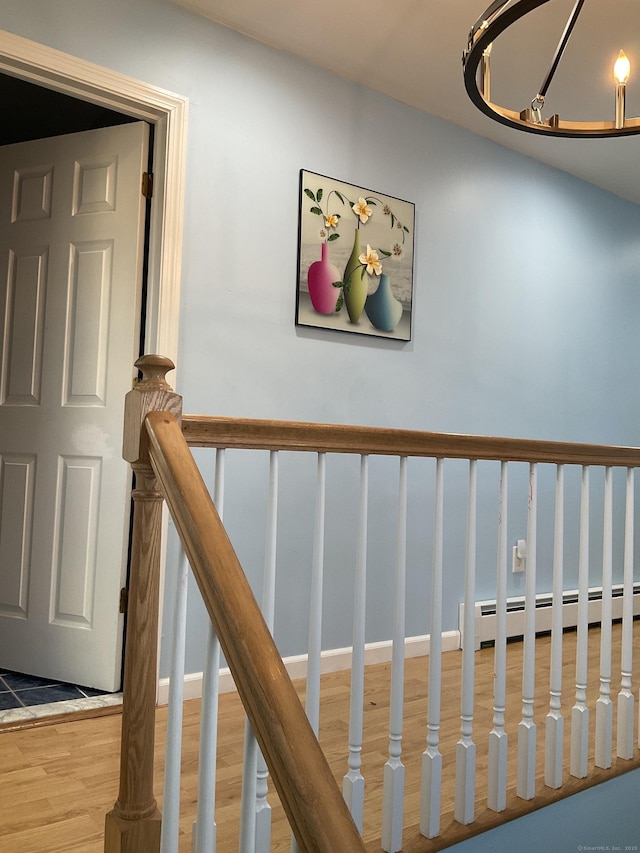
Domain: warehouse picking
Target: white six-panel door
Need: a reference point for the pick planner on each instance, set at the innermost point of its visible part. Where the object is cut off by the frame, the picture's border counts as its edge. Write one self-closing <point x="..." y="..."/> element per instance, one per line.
<point x="71" y="251"/>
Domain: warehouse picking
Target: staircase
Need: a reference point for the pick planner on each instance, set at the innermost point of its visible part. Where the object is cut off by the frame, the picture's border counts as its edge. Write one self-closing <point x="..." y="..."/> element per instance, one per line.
<point x="423" y="522"/>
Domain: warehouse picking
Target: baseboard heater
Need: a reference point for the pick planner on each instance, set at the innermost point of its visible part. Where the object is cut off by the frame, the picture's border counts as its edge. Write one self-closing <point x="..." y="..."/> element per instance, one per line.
<point x="485" y="613"/>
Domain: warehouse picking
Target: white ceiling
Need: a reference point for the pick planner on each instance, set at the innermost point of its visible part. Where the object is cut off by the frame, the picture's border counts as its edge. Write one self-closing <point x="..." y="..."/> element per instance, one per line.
<point x="411" y="50"/>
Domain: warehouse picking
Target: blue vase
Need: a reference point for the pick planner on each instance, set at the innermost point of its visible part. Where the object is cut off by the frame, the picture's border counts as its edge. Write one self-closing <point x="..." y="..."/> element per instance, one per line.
<point x="382" y="308"/>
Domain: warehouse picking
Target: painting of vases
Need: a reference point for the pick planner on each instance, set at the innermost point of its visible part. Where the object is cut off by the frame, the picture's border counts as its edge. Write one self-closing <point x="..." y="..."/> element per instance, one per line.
<point x="355" y="259"/>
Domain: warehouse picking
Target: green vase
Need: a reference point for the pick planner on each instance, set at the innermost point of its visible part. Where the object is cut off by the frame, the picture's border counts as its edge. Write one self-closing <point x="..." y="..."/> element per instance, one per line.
<point x="356" y="281"/>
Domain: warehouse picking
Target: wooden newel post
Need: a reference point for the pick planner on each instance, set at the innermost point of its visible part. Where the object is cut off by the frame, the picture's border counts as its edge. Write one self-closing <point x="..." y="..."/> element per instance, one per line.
<point x="133" y="826"/>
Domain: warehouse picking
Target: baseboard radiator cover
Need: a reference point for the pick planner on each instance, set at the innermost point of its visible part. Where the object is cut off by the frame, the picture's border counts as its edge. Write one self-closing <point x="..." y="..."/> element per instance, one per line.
<point x="332" y="660"/>
<point x="485" y="613"/>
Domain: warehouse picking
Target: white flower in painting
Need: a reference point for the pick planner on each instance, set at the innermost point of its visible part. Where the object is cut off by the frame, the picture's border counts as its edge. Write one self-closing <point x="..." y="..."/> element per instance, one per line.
<point x="362" y="209"/>
<point x="331" y="220"/>
<point x="371" y="260"/>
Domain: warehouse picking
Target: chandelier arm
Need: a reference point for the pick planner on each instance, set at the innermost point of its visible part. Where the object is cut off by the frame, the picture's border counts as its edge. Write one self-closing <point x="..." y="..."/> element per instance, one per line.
<point x="566" y="35"/>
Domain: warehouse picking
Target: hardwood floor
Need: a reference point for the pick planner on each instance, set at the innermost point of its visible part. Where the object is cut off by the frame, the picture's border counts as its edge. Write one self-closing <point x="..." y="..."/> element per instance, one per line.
<point x="59" y="780"/>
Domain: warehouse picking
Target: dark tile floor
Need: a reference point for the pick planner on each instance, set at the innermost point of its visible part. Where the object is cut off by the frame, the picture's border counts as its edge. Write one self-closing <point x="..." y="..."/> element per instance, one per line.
<point x="19" y="691"/>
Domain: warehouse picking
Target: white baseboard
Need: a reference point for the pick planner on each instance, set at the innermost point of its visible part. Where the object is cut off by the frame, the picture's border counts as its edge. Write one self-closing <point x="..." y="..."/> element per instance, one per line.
<point x="334" y="660"/>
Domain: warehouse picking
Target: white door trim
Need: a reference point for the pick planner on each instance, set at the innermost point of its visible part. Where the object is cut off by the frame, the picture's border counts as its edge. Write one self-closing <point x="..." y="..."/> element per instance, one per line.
<point x="45" y="66"/>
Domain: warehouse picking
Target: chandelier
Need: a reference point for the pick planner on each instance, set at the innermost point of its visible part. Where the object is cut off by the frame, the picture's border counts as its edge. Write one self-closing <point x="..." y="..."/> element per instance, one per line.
<point x="476" y="61"/>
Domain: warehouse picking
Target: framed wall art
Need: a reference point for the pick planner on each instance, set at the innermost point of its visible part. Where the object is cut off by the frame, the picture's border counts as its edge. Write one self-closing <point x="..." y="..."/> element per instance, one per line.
<point x="355" y="259"/>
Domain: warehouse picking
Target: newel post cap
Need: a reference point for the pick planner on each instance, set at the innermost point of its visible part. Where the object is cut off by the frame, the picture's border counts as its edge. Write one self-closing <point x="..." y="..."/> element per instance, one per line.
<point x="151" y="394"/>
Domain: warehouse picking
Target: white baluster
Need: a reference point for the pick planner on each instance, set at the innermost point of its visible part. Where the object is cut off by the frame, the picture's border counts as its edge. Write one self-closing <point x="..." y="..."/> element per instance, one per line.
<point x="315" y="615"/>
<point x="554" y="732"/>
<point x="173" y="754"/>
<point x="580" y="711"/>
<point x="248" y="796"/>
<point x="204" y="828"/>
<point x="256" y="827"/>
<point x="312" y="699"/>
<point x="393" y="793"/>
<point x="263" y="809"/>
<point x="432" y="757"/>
<point x="466" y="749"/>
<point x="625" y="696"/>
<point x="498" y="741"/>
<point x="353" y="782"/>
<point x="269" y="584"/>
<point x="604" y="705"/>
<point x="526" y="784"/>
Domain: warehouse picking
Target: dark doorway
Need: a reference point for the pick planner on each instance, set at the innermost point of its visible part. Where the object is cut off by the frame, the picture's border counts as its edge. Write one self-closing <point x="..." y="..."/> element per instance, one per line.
<point x="33" y="112"/>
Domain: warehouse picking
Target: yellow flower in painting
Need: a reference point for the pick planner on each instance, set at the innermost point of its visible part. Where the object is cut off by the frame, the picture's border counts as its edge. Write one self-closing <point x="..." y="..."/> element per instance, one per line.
<point x="330" y="221"/>
<point x="362" y="209"/>
<point x="371" y="260"/>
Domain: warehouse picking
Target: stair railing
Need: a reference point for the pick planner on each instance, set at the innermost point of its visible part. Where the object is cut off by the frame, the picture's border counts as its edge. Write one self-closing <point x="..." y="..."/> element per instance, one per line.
<point x="154" y="444"/>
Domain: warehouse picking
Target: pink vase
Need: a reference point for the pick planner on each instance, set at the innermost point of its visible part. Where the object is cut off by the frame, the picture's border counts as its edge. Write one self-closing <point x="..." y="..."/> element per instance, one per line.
<point x="320" y="279"/>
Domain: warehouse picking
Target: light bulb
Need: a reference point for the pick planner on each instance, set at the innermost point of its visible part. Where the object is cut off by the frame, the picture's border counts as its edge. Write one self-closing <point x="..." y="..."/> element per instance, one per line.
<point x="621" y="68"/>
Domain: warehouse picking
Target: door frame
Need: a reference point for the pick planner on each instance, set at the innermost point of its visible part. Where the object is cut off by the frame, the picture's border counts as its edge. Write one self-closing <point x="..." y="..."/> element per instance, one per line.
<point x="168" y="113"/>
<point x="52" y="69"/>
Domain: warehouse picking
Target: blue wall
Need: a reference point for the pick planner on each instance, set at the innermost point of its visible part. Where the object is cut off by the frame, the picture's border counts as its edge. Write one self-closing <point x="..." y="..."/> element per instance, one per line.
<point x="526" y="299"/>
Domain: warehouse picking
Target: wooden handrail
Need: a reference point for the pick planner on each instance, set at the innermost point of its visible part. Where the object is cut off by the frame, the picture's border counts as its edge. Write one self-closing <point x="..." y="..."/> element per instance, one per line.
<point x="309" y="794"/>
<point x="205" y="431"/>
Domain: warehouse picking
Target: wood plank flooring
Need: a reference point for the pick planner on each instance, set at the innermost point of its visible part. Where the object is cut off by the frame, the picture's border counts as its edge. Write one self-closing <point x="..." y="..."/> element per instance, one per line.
<point x="58" y="781"/>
